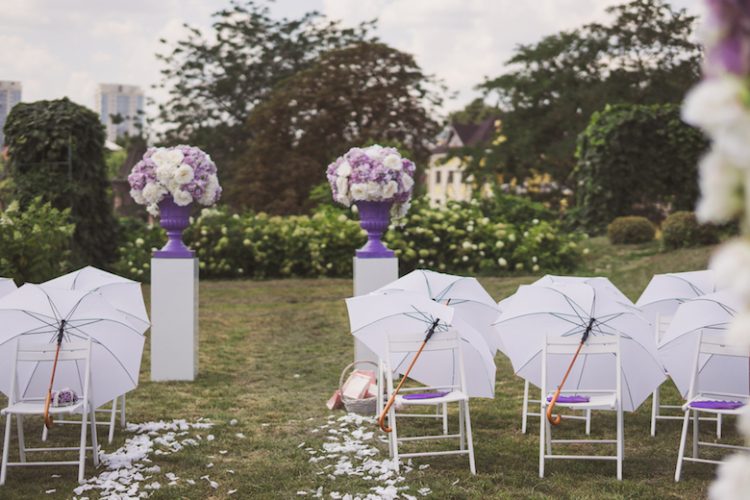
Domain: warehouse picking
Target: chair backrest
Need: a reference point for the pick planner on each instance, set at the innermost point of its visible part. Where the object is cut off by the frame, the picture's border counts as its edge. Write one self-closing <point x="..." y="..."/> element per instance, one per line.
<point x="605" y="345"/>
<point x="407" y="344"/>
<point x="660" y="326"/>
<point x="37" y="353"/>
<point x="713" y="346"/>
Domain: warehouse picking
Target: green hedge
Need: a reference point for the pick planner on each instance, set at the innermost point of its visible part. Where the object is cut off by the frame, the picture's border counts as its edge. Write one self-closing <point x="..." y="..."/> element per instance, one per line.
<point x="682" y="230"/>
<point x="460" y="238"/>
<point x="630" y="229"/>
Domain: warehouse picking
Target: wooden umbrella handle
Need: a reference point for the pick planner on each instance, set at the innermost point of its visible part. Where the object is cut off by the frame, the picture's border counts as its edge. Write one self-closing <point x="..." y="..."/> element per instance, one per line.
<point x="48" y="400"/>
<point x="557" y="419"/>
<point x="392" y="399"/>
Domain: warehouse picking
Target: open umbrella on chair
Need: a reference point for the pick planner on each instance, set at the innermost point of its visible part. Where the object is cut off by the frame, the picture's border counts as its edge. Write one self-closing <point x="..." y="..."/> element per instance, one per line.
<point x="43" y="315"/>
<point x="665" y="292"/>
<point x="374" y="317"/>
<point x="579" y="310"/>
<point x="471" y="302"/>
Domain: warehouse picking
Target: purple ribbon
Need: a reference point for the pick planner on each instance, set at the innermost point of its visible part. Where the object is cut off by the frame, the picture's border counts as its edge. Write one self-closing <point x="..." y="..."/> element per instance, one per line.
<point x="717" y="405"/>
<point x="424" y="395"/>
<point x="570" y="399"/>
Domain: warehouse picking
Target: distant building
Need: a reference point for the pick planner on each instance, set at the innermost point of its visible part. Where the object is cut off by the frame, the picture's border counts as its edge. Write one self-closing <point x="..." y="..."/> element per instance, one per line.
<point x="10" y="95"/>
<point x="445" y="177"/>
<point x="120" y="109"/>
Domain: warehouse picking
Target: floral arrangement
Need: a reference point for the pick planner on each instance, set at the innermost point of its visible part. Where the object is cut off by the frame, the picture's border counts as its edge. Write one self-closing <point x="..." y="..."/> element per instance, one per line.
<point x="720" y="105"/>
<point x="374" y="173"/>
<point x="64" y="397"/>
<point x="185" y="173"/>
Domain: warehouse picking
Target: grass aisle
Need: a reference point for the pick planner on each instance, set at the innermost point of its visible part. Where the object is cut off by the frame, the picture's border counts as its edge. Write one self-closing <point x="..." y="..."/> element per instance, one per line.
<point x="271" y="354"/>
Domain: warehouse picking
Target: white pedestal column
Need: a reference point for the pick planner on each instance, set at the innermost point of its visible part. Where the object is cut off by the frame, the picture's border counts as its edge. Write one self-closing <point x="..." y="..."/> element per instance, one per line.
<point x="174" y="319"/>
<point x="369" y="275"/>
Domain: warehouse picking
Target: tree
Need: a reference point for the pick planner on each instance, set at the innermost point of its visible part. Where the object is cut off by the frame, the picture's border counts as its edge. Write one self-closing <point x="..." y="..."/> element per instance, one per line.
<point x="644" y="56"/>
<point x="349" y="97"/>
<point x="56" y="151"/>
<point x="636" y="159"/>
<point x="214" y="80"/>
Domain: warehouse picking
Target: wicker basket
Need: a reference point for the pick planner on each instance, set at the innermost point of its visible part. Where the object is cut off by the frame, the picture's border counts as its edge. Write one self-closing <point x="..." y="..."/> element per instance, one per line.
<point x="364" y="406"/>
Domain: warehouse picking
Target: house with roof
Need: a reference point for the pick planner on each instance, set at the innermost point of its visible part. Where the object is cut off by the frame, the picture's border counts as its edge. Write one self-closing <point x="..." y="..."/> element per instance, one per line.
<point x="445" y="174"/>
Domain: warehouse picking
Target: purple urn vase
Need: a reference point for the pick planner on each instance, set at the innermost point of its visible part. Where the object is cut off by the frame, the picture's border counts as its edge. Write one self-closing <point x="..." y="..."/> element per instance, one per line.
<point x="174" y="219"/>
<point x="374" y="217"/>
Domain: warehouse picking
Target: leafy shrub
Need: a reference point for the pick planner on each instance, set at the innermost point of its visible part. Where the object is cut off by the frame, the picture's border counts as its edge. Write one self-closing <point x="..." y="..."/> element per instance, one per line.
<point x="35" y="242"/>
<point x="682" y="230"/>
<point x="516" y="210"/>
<point x="635" y="159"/>
<point x="459" y="239"/>
<point x="630" y="229"/>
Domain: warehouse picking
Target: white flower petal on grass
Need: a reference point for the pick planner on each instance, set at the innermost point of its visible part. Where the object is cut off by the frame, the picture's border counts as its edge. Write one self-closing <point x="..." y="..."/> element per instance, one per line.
<point x="732" y="479"/>
<point x="731" y="263"/>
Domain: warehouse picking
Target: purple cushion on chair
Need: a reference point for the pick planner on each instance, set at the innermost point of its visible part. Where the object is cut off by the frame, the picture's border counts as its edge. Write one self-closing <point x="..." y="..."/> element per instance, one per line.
<point x="570" y="399"/>
<point x="424" y="395"/>
<point x="717" y="405"/>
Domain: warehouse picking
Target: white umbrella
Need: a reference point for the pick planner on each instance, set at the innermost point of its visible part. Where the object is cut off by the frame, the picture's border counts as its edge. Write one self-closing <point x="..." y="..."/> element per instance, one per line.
<point x="467" y="296"/>
<point x="7" y="285"/>
<point x="374" y="317"/>
<point x="34" y="314"/>
<point x="665" y="292"/>
<point x="568" y="310"/>
<point x="708" y="315"/>
<point x="124" y="294"/>
<point x="600" y="284"/>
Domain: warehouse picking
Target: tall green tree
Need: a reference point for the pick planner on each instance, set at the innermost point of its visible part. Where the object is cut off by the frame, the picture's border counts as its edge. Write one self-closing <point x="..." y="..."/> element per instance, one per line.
<point x="56" y="151"/>
<point x="348" y="97"/>
<point x="645" y="55"/>
<point x="214" y="79"/>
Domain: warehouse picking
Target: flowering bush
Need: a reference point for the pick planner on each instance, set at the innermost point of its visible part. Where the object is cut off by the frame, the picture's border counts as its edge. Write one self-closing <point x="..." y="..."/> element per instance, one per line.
<point x="459" y="239"/>
<point x="374" y="173"/>
<point x="185" y="173"/>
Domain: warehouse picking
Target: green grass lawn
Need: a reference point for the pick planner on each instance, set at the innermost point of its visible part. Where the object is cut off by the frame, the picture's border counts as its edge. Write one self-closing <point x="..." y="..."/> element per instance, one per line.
<point x="271" y="354"/>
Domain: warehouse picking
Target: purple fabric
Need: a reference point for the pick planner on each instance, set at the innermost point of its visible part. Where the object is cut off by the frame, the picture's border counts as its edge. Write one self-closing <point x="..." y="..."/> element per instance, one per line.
<point x="425" y="395"/>
<point x="374" y="217"/>
<point x="570" y="399"/>
<point x="717" y="405"/>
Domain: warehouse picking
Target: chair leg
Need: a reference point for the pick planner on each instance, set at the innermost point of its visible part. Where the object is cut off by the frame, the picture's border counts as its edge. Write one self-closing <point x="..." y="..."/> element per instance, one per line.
<point x="470" y="440"/>
<point x="123" y="421"/>
<point x="525" y="410"/>
<point x="445" y="418"/>
<point x="21" y="440"/>
<point x="654" y="411"/>
<point x="620" y="443"/>
<point x="542" y="441"/>
<point x="461" y="427"/>
<point x="588" y="422"/>
<point x="6" y="447"/>
<point x="82" y="453"/>
<point x="681" y="452"/>
<point x="549" y="436"/>
<point x="112" y="419"/>
<point x="696" y="420"/>
<point x="394" y="439"/>
<point x="95" y="437"/>
<point x="718" y="426"/>
<point x="44" y="433"/>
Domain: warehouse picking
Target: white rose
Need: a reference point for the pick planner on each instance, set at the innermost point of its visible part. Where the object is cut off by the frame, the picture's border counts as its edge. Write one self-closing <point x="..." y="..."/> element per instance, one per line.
<point x="153" y="209"/>
<point x="721" y="189"/>
<point x="732" y="480"/>
<point x="342" y="185"/>
<point x="739" y="331"/>
<point x="165" y="173"/>
<point x="392" y="162"/>
<point x="731" y="263"/>
<point x="374" y="152"/>
<point x="407" y="182"/>
<point x="344" y="170"/>
<point x="167" y="157"/>
<point x="182" y="198"/>
<point x="343" y="199"/>
<point x="715" y="103"/>
<point x="153" y="193"/>
<point x="137" y="196"/>
<point x="183" y="174"/>
<point x="403" y="208"/>
<point x="374" y="191"/>
<point x="743" y="422"/>
<point x="390" y="190"/>
<point x="358" y="191"/>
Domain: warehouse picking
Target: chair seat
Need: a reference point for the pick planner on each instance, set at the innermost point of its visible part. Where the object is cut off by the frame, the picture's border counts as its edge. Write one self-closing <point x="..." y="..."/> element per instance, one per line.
<point x="606" y="401"/>
<point x="451" y="397"/>
<point x="37" y="408"/>
<point x="718" y="411"/>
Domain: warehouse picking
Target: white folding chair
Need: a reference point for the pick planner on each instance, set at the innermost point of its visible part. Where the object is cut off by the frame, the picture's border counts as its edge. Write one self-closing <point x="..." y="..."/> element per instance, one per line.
<point x="111" y="412"/>
<point x="408" y="344"/>
<point x="21" y="408"/>
<point x="711" y="347"/>
<point x="529" y="404"/>
<point x="660" y="328"/>
<point x="599" y="399"/>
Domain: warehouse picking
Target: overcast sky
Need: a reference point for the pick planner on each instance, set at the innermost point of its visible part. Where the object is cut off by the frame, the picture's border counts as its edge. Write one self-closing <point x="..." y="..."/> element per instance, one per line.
<point x="65" y="48"/>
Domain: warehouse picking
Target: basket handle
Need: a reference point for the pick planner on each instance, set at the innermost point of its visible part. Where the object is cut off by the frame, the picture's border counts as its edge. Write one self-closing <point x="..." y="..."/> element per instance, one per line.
<point x="349" y="367"/>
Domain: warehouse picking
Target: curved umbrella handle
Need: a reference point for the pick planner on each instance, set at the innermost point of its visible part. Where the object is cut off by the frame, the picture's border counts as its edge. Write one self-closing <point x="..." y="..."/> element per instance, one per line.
<point x="392" y="399"/>
<point x="48" y="400"/>
<point x="557" y="419"/>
